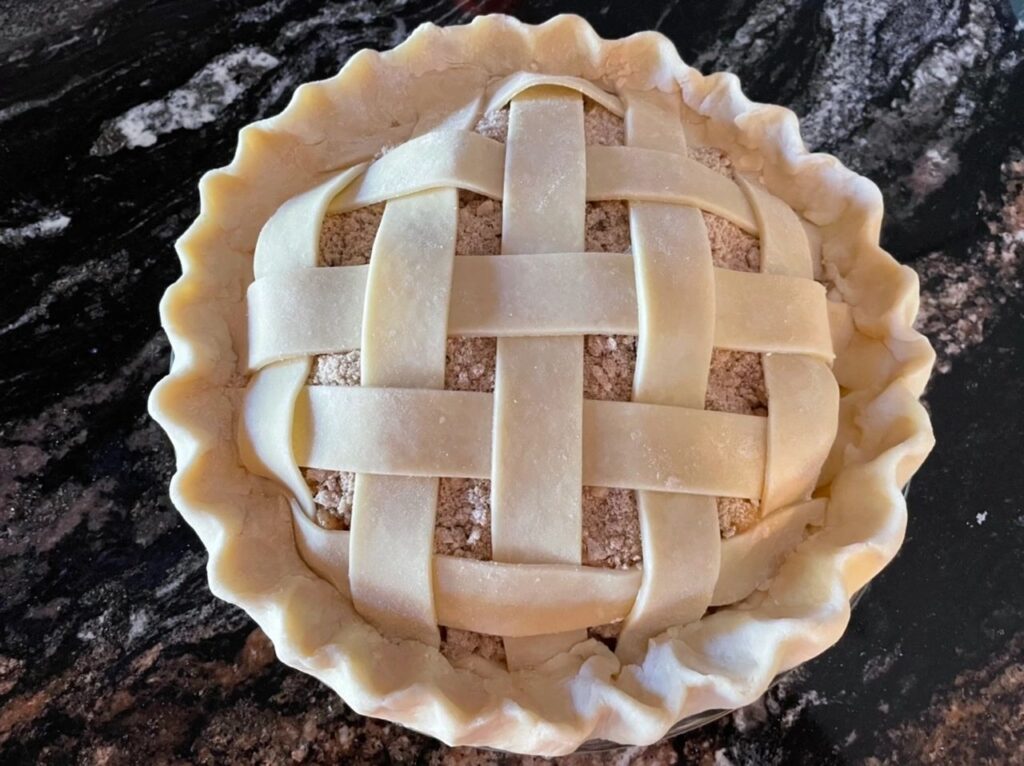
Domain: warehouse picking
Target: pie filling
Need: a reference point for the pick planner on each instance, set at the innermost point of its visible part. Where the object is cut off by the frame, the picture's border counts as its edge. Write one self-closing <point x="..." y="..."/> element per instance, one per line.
<point x="611" y="527"/>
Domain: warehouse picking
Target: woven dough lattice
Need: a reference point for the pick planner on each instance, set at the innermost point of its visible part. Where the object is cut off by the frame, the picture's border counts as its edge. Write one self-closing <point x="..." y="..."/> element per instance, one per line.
<point x="535" y="437"/>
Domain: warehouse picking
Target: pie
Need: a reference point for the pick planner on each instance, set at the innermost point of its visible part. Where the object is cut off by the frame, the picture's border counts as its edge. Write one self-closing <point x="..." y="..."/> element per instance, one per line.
<point x="531" y="388"/>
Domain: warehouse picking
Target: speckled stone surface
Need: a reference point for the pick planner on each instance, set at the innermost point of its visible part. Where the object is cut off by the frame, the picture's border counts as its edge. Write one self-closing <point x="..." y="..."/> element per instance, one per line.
<point x="112" y="649"/>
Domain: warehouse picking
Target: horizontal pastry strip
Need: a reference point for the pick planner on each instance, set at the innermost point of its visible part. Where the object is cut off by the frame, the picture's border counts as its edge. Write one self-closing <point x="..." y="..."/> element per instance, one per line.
<point x="531" y="599"/>
<point x="466" y="160"/>
<point x="626" y="445"/>
<point x="513" y="85"/>
<point x="649" y="175"/>
<point x="446" y="158"/>
<point x="319" y="311"/>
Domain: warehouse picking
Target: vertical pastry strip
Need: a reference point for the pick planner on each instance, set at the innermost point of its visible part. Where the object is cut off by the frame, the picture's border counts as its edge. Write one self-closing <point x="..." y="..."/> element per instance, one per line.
<point x="676" y="303"/>
<point x="537" y="475"/>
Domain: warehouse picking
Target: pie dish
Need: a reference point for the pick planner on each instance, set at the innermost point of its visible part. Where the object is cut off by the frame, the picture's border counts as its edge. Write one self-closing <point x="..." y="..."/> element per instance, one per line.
<point x="531" y="388"/>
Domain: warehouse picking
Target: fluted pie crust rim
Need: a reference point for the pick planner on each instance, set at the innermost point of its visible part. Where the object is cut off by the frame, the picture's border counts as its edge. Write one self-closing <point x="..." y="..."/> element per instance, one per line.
<point x="725" y="660"/>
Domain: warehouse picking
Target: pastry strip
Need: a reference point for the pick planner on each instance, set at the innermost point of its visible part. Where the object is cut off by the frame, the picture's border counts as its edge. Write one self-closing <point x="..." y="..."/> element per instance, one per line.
<point x="442" y="159"/>
<point x="536" y="479"/>
<point x="629" y="445"/>
<point x="319" y="311"/>
<point x="513" y="85"/>
<point x="403" y="344"/>
<point x="676" y="315"/>
<point x="803" y="411"/>
<point x="527" y="599"/>
<point x="288" y="242"/>
<point x="649" y="175"/>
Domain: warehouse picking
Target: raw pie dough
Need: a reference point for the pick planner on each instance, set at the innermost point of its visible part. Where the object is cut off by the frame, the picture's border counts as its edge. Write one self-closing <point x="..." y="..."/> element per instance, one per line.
<point x="702" y="622"/>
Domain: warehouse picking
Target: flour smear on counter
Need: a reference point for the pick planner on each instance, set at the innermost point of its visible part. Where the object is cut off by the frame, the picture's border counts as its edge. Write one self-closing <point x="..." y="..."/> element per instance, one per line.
<point x="199" y="101"/>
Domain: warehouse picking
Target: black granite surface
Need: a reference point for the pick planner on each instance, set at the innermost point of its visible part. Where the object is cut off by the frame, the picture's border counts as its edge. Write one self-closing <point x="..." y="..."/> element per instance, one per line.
<point x="113" y="651"/>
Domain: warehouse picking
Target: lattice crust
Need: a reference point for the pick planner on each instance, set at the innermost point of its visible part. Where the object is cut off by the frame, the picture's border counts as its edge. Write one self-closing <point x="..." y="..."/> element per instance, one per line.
<point x="611" y="528"/>
<point x="534" y="438"/>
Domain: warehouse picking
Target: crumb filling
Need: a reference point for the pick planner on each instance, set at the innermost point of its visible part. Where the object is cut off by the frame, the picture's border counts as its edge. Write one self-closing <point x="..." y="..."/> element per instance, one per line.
<point x="611" y="528"/>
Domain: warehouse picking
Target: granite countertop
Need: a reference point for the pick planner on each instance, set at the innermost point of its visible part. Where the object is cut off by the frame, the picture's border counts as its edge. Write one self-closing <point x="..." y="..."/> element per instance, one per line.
<point x="113" y="650"/>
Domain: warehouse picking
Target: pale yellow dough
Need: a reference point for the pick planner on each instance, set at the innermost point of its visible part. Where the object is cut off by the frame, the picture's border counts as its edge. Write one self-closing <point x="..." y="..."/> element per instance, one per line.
<point x="545" y="441"/>
<point x="487" y="597"/>
<point x="419" y="432"/>
<point x="361" y="609"/>
<point x="315" y="311"/>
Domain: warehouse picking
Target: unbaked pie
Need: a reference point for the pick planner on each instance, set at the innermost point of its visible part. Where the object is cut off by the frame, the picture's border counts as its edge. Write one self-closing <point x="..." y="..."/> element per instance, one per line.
<point x="531" y="387"/>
